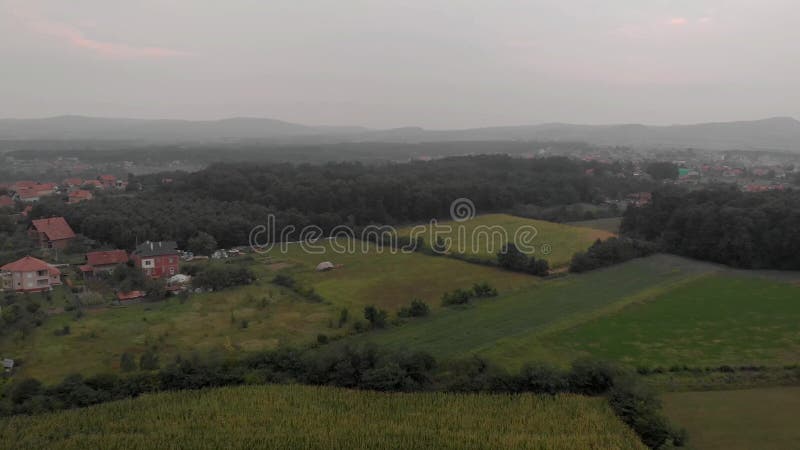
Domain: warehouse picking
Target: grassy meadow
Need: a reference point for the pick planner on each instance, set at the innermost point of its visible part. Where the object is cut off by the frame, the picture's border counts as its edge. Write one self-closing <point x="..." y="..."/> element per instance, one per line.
<point x="765" y="419"/>
<point x="510" y="329"/>
<point x="552" y="241"/>
<point x="715" y="320"/>
<point x="389" y="280"/>
<point x="610" y="224"/>
<point x="314" y="417"/>
<point x="257" y="317"/>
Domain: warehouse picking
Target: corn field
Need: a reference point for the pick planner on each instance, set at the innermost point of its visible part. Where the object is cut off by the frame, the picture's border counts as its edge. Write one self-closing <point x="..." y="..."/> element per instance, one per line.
<point x="316" y="417"/>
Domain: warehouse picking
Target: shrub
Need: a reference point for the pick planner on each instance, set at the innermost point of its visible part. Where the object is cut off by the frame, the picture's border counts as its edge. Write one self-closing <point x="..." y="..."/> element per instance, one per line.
<point x="418" y="308"/>
<point x="148" y="361"/>
<point x="221" y="276"/>
<point x="639" y="407"/>
<point x="590" y="377"/>
<point x="376" y="317"/>
<point x="456" y="297"/>
<point x="127" y="363"/>
<point x="483" y="289"/>
<point x="541" y="379"/>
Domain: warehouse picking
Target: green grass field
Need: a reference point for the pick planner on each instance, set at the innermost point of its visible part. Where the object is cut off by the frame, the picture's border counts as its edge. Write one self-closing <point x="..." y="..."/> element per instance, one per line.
<point x="388" y="280"/>
<point x="312" y="417"/>
<point x="715" y="320"/>
<point x="610" y="224"/>
<point x="552" y="241"/>
<point x="510" y="328"/>
<point x="764" y="419"/>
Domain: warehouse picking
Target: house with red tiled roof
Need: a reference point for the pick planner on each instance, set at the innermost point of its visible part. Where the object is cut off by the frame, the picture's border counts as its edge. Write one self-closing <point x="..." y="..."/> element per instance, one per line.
<point x="157" y="259"/>
<point x="104" y="261"/>
<point x="32" y="192"/>
<point x="71" y="184"/>
<point x="53" y="232"/>
<point x="108" y="181"/>
<point x="29" y="274"/>
<point x="78" y="196"/>
<point x="22" y="185"/>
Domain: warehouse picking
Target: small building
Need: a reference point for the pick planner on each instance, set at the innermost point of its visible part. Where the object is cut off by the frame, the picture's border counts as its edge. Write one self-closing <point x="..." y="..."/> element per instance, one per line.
<point x="157" y="259"/>
<point x="54" y="232"/>
<point x="104" y="261"/>
<point x="130" y="297"/>
<point x="29" y="274"/>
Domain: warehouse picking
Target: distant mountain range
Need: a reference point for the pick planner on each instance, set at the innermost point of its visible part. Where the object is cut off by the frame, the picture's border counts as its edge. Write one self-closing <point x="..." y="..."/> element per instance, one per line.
<point x="781" y="133"/>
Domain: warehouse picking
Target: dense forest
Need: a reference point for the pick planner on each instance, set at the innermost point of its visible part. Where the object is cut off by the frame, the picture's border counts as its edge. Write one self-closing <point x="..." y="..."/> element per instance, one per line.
<point x="228" y="200"/>
<point x="377" y="152"/>
<point x="724" y="225"/>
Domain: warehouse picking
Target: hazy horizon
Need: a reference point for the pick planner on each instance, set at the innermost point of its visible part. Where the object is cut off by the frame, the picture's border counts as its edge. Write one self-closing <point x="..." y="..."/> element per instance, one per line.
<point x="434" y="64"/>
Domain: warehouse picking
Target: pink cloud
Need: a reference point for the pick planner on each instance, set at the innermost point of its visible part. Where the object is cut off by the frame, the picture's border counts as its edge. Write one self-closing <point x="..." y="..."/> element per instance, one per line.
<point x="76" y="38"/>
<point x="678" y="21"/>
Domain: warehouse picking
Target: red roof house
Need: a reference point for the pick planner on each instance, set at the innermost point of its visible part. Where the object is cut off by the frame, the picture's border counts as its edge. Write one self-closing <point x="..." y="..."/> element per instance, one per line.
<point x="105" y="261"/>
<point x="78" y="196"/>
<point x="29" y="274"/>
<point x="157" y="259"/>
<point x="108" y="181"/>
<point x="54" y="232"/>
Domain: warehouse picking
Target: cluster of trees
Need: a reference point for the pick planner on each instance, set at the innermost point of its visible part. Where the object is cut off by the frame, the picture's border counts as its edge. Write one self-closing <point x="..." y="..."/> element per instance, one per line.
<point x="662" y="171"/>
<point x="724" y="225"/>
<point x="220" y="276"/>
<point x="127" y="278"/>
<point x="609" y="252"/>
<point x="226" y="201"/>
<point x="21" y="312"/>
<point x="511" y="258"/>
<point x="463" y="296"/>
<point x="359" y="368"/>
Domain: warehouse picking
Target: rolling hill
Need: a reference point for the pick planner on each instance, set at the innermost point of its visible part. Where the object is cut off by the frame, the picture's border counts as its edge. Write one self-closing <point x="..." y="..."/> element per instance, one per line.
<point x="780" y="133"/>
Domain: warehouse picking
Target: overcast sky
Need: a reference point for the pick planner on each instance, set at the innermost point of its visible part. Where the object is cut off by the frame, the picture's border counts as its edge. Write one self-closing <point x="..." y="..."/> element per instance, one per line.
<point x="433" y="63"/>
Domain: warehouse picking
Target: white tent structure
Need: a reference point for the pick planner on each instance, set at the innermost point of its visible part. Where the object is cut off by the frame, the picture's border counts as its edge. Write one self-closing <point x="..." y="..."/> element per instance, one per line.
<point x="325" y="265"/>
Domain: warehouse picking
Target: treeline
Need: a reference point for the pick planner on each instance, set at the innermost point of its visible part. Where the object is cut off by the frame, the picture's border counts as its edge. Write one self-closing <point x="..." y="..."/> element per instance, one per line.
<point x="609" y="252"/>
<point x="113" y="152"/>
<point x="228" y="200"/>
<point x="357" y="368"/>
<point x="723" y="225"/>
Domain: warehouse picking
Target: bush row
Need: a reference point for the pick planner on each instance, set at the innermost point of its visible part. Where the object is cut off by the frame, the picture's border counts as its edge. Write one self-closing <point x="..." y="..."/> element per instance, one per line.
<point x="357" y="368"/>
